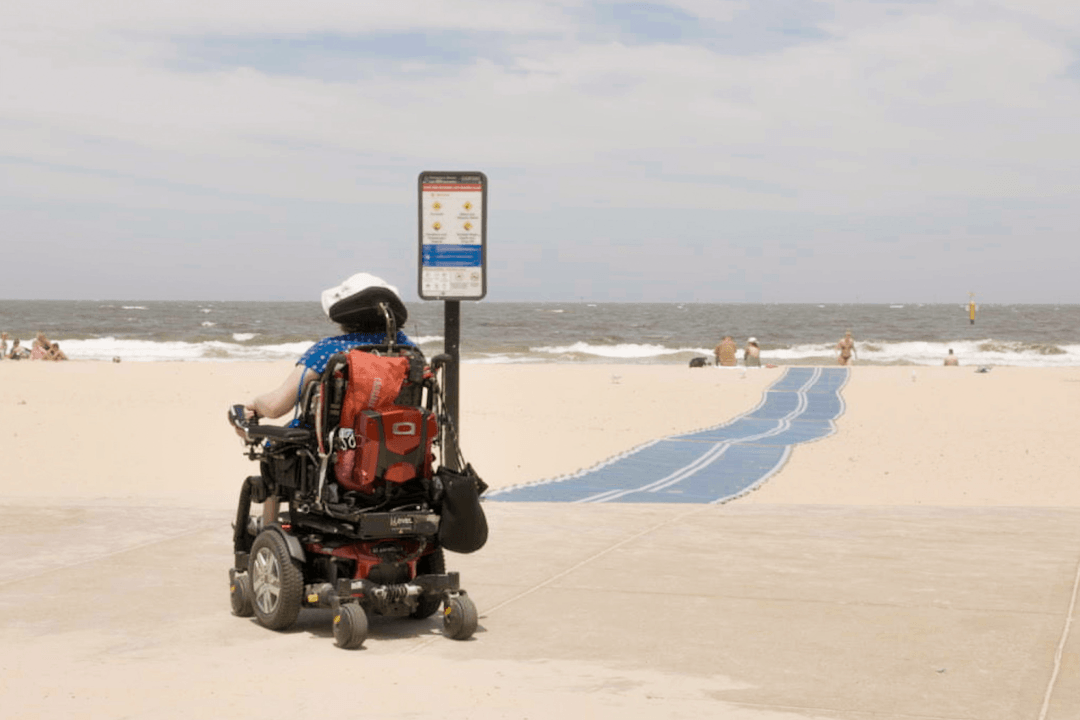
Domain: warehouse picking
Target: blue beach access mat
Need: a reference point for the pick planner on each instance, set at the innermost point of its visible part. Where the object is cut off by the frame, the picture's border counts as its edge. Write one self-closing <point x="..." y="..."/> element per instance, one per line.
<point x="713" y="465"/>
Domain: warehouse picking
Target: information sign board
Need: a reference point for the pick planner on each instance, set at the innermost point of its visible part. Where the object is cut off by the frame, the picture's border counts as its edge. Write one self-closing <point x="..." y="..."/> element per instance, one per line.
<point x="453" y="230"/>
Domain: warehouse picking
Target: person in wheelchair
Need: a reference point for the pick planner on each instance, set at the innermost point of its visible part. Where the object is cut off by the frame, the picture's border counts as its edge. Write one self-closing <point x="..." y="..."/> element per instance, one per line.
<point x="354" y="306"/>
<point x="359" y="305"/>
<point x="369" y="515"/>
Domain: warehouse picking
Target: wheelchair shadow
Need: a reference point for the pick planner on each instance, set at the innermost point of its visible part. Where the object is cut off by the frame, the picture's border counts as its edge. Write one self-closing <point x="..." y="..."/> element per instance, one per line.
<point x="319" y="623"/>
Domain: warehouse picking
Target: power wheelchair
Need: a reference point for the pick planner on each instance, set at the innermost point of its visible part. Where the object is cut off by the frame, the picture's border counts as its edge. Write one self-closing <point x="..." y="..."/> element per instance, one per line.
<point x="368" y="514"/>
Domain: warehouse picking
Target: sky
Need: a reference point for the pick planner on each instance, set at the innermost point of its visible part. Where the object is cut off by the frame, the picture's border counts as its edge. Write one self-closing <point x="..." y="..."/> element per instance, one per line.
<point x="679" y="151"/>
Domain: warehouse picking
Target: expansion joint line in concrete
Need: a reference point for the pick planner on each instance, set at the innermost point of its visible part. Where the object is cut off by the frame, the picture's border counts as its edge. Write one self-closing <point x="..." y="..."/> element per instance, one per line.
<point x="105" y="556"/>
<point x="563" y="573"/>
<point x="1061" y="646"/>
<point x="891" y="715"/>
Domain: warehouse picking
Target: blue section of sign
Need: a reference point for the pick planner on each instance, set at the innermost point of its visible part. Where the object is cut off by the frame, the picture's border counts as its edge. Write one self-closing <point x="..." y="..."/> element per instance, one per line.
<point x="451" y="256"/>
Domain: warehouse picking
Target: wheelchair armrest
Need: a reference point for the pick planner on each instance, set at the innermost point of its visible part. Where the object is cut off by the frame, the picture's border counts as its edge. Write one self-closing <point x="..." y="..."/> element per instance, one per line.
<point x="282" y="434"/>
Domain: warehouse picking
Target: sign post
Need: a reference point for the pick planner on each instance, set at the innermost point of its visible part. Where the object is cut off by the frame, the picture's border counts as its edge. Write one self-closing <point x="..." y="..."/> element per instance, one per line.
<point x="453" y="262"/>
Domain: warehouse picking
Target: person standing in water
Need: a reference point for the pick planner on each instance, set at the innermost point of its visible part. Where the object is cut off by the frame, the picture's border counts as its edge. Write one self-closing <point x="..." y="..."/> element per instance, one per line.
<point x="845" y="349"/>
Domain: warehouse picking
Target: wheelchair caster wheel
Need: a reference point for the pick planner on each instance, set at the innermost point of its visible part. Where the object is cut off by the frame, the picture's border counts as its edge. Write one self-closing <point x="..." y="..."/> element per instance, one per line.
<point x="240" y="595"/>
<point x="350" y="626"/>
<point x="459" y="618"/>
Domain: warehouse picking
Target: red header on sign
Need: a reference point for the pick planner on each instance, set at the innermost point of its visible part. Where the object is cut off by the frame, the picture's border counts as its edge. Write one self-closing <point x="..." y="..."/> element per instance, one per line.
<point x="444" y="187"/>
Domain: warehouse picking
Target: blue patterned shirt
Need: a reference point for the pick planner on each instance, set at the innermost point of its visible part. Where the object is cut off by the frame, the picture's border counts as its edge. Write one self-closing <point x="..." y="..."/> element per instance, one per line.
<point x="320" y="353"/>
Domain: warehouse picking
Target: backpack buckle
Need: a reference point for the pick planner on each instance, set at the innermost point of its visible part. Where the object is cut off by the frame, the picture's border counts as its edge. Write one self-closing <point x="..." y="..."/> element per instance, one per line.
<point x="345" y="439"/>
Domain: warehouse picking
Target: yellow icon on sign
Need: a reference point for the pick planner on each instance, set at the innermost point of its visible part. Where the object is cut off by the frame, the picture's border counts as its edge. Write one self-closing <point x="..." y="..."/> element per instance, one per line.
<point x="437" y="226"/>
<point x="437" y="205"/>
<point x="468" y="226"/>
<point x="468" y="206"/>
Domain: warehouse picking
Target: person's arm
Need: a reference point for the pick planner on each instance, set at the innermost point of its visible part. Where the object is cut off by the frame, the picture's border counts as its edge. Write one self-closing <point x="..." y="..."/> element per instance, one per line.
<point x="277" y="402"/>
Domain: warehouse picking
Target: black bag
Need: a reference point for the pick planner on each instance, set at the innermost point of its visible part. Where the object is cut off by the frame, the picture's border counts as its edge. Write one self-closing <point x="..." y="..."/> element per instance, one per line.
<point x="462" y="526"/>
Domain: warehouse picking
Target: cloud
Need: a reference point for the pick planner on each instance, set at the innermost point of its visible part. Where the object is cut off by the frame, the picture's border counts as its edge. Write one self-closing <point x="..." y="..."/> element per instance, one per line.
<point x="826" y="109"/>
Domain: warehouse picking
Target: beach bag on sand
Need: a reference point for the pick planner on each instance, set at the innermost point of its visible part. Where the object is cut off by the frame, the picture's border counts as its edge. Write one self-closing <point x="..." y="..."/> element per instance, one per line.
<point x="462" y="525"/>
<point x="391" y="442"/>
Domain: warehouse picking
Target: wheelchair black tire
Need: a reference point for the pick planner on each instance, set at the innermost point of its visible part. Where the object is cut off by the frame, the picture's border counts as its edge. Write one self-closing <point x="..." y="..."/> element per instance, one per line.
<point x="350" y="626"/>
<point x="276" y="581"/>
<point x="433" y="564"/>
<point x="240" y="596"/>
<point x="460" y="618"/>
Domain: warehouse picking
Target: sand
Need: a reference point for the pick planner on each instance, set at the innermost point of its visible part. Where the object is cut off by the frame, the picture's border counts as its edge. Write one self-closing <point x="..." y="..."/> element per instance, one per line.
<point x="944" y="437"/>
<point x="921" y="561"/>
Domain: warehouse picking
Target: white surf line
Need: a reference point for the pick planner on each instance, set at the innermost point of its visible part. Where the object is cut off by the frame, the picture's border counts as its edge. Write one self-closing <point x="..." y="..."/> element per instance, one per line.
<point x="713" y="454"/>
<point x="1061" y="647"/>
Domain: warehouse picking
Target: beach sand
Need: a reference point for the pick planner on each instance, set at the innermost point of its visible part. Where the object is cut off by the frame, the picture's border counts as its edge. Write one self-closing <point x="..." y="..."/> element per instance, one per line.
<point x="921" y="562"/>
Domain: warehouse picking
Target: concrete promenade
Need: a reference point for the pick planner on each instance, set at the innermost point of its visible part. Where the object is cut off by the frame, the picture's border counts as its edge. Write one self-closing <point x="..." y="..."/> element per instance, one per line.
<point x="731" y="611"/>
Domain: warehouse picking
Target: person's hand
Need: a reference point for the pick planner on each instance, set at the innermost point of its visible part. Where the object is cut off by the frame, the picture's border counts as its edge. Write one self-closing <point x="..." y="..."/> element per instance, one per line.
<point x="239" y="416"/>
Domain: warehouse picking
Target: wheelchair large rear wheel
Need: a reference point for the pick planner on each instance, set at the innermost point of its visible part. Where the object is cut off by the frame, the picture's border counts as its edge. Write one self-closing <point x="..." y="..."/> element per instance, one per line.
<point x="277" y="585"/>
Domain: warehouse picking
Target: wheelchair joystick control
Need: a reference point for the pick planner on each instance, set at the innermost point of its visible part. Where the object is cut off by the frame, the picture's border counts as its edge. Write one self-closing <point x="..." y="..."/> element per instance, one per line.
<point x="238" y="417"/>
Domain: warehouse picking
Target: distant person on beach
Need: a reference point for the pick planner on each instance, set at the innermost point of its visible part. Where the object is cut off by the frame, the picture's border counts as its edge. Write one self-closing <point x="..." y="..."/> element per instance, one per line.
<point x="38" y="351"/>
<point x="46" y="346"/>
<point x="752" y="353"/>
<point x="3" y="345"/>
<point x="725" y="352"/>
<point x="56" y="354"/>
<point x="951" y="360"/>
<point x="350" y="305"/>
<point x="845" y="349"/>
<point x="18" y="353"/>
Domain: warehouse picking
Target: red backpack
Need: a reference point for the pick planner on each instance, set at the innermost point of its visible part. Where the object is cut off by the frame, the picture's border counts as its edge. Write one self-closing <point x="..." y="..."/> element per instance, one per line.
<point x="393" y="434"/>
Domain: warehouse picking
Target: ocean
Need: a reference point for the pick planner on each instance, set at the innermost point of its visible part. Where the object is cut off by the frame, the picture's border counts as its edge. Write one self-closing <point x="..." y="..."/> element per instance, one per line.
<point x="571" y="332"/>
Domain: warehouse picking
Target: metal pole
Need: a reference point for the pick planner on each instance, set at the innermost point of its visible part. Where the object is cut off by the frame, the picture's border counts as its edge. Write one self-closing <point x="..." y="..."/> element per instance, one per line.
<point x="452" y="346"/>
